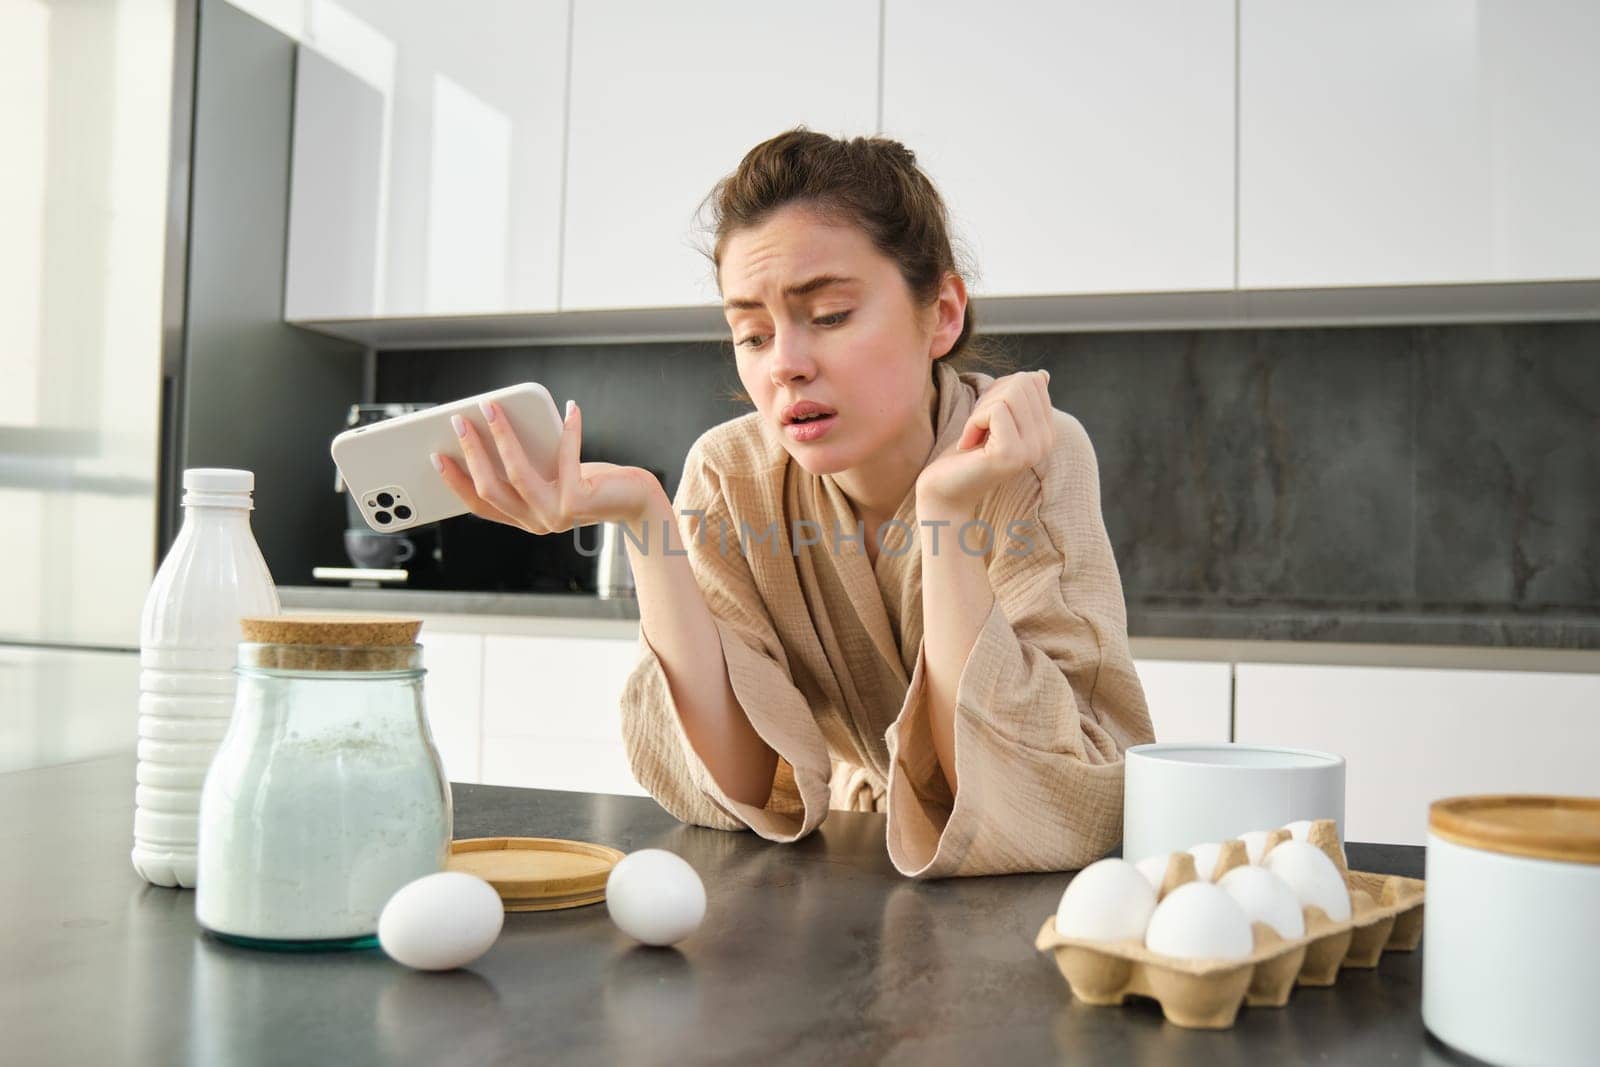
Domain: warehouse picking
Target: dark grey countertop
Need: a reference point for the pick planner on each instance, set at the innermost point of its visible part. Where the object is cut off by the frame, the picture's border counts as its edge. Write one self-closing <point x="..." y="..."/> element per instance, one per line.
<point x="1392" y="626"/>
<point x="1398" y="626"/>
<point x="817" y="952"/>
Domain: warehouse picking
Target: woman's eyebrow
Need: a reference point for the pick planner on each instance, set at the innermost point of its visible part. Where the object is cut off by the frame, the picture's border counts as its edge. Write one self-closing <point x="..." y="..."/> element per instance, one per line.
<point x="810" y="285"/>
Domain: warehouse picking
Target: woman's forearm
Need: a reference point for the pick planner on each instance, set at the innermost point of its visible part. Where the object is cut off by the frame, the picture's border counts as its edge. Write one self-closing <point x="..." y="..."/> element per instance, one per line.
<point x="681" y="630"/>
<point x="956" y="599"/>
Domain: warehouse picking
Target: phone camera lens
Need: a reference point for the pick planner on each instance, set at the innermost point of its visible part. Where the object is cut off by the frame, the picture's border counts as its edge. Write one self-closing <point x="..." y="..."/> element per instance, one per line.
<point x="382" y="517"/>
<point x="385" y="500"/>
<point x="402" y="512"/>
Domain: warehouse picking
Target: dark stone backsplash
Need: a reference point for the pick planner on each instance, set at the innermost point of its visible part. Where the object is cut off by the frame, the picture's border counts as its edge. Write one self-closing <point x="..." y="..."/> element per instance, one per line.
<point x="1378" y="469"/>
<point x="1424" y="484"/>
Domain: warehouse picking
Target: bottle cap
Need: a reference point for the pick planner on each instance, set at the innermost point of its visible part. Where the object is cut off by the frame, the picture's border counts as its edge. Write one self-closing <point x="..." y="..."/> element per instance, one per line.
<point x="218" y="480"/>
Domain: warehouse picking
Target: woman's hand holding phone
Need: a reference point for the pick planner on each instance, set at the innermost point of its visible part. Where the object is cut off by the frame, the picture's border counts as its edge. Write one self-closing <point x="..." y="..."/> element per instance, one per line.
<point x="583" y="493"/>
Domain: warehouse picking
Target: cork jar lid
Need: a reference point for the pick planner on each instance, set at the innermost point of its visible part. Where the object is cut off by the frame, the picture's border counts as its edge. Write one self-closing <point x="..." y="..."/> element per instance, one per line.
<point x="330" y="642"/>
<point x="1539" y="827"/>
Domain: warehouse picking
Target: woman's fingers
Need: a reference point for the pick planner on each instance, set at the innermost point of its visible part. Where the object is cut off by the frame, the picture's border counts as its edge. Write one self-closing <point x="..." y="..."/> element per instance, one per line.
<point x="977" y="427"/>
<point x="1045" y="427"/>
<point x="573" y="489"/>
<point x="1005" y="436"/>
<point x="486" y="479"/>
<point x="1031" y="413"/>
<point x="460" y="483"/>
<point x="541" y="498"/>
<point x="524" y="479"/>
<point x="582" y="493"/>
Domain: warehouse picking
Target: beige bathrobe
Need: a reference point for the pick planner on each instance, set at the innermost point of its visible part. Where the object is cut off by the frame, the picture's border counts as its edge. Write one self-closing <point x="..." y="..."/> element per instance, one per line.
<point x="824" y="651"/>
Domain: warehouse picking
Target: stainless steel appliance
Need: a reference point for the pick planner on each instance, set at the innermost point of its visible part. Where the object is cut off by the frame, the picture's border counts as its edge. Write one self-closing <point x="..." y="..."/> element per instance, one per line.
<point x="613" y="574"/>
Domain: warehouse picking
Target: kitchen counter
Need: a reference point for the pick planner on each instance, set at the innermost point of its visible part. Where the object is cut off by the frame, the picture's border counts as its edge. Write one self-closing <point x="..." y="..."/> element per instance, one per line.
<point x="1531" y="634"/>
<point x="817" y="952"/>
<point x="1178" y="633"/>
<point x="446" y="602"/>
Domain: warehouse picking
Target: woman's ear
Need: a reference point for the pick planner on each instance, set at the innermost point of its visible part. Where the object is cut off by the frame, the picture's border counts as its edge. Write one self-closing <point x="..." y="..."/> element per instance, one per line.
<point x="950" y="315"/>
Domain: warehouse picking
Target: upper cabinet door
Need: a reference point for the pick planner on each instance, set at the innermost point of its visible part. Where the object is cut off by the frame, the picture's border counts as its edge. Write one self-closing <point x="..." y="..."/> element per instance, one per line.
<point x="1081" y="147"/>
<point x="666" y="98"/>
<point x="1432" y="141"/>
<point x="426" y="176"/>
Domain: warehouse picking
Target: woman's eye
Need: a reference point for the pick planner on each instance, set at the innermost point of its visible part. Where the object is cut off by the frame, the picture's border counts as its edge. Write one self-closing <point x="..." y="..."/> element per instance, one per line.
<point x="759" y="340"/>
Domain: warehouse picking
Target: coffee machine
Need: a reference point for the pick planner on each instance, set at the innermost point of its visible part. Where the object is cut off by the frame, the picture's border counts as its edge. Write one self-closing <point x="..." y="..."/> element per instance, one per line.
<point x="465" y="553"/>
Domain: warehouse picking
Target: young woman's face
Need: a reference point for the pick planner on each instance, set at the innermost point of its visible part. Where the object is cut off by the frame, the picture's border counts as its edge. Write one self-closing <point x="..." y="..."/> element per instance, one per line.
<point x="820" y="315"/>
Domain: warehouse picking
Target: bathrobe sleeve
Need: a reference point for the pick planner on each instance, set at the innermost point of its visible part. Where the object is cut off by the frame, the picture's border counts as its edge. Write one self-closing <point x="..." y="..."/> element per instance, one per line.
<point x="659" y="750"/>
<point x="1046" y="702"/>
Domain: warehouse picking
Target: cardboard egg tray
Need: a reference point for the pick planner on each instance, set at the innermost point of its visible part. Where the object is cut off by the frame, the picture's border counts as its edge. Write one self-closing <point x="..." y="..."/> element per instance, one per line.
<point x="1386" y="913"/>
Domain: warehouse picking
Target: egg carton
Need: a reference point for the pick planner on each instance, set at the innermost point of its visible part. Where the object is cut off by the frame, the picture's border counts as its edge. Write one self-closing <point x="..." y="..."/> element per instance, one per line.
<point x="1386" y="914"/>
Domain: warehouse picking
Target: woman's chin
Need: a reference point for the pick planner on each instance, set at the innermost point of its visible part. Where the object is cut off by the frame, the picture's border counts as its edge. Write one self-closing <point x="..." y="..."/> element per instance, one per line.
<point x="819" y="460"/>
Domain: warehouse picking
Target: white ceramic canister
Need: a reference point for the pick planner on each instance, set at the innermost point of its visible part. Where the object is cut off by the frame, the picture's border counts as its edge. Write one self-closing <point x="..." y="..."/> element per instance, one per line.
<point x="1511" y="929"/>
<point x="1177" y="794"/>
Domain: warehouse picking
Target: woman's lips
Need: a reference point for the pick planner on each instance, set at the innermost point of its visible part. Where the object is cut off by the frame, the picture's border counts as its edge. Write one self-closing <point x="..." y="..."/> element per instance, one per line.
<point x="811" y="429"/>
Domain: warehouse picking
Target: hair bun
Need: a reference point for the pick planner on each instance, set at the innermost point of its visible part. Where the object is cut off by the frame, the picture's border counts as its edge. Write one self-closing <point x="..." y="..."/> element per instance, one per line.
<point x="890" y="149"/>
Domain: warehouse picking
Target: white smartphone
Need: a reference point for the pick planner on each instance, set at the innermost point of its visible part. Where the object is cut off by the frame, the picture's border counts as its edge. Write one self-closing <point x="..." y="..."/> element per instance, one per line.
<point x="387" y="471"/>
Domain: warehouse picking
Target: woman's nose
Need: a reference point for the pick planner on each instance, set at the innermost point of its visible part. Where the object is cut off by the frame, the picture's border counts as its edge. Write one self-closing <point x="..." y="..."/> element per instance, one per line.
<point x="791" y="361"/>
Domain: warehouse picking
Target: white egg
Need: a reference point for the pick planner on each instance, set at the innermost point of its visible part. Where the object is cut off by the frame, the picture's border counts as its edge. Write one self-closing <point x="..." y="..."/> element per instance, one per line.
<point x="654" y="896"/>
<point x="1154" y="868"/>
<point x="1198" y="921"/>
<point x="1312" y="876"/>
<point x="1255" y="843"/>
<point x="441" y="921"/>
<point x="1301" y="831"/>
<point x="1109" y="900"/>
<point x="1265" y="898"/>
<point x="1205" y="859"/>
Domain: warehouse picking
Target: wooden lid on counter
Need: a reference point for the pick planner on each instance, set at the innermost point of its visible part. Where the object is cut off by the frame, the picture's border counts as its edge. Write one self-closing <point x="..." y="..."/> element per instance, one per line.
<point x="537" y="873"/>
<point x="1539" y="827"/>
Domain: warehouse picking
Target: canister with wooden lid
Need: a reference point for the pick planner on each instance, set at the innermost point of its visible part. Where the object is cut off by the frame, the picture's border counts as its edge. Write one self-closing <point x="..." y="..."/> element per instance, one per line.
<point x="327" y="794"/>
<point x="1511" y="928"/>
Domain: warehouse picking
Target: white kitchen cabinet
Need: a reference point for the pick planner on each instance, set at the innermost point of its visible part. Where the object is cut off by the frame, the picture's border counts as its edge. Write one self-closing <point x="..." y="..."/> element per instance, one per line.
<point x="577" y="766"/>
<point x="453" y="695"/>
<point x="1081" y="147"/>
<point x="1427" y="142"/>
<point x="1188" y="701"/>
<point x="1411" y="736"/>
<point x="552" y="712"/>
<point x="665" y="100"/>
<point x="427" y="164"/>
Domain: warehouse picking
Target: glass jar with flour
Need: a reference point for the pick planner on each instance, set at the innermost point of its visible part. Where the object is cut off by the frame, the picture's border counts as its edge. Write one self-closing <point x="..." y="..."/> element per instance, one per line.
<point x="327" y="794"/>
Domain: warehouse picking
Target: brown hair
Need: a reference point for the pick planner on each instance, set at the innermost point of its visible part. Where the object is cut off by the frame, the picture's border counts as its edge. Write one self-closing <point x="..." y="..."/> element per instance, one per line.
<point x="873" y="183"/>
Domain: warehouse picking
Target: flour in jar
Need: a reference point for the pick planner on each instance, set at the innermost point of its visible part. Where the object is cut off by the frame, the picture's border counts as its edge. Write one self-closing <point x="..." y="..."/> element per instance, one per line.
<point x="307" y="837"/>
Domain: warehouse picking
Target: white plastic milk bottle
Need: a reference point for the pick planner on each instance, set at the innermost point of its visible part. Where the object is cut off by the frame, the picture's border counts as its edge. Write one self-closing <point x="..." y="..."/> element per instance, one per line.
<point x="189" y="634"/>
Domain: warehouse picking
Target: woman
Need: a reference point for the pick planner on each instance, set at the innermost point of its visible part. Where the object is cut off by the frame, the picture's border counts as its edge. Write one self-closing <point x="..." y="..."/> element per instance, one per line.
<point x="892" y="588"/>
